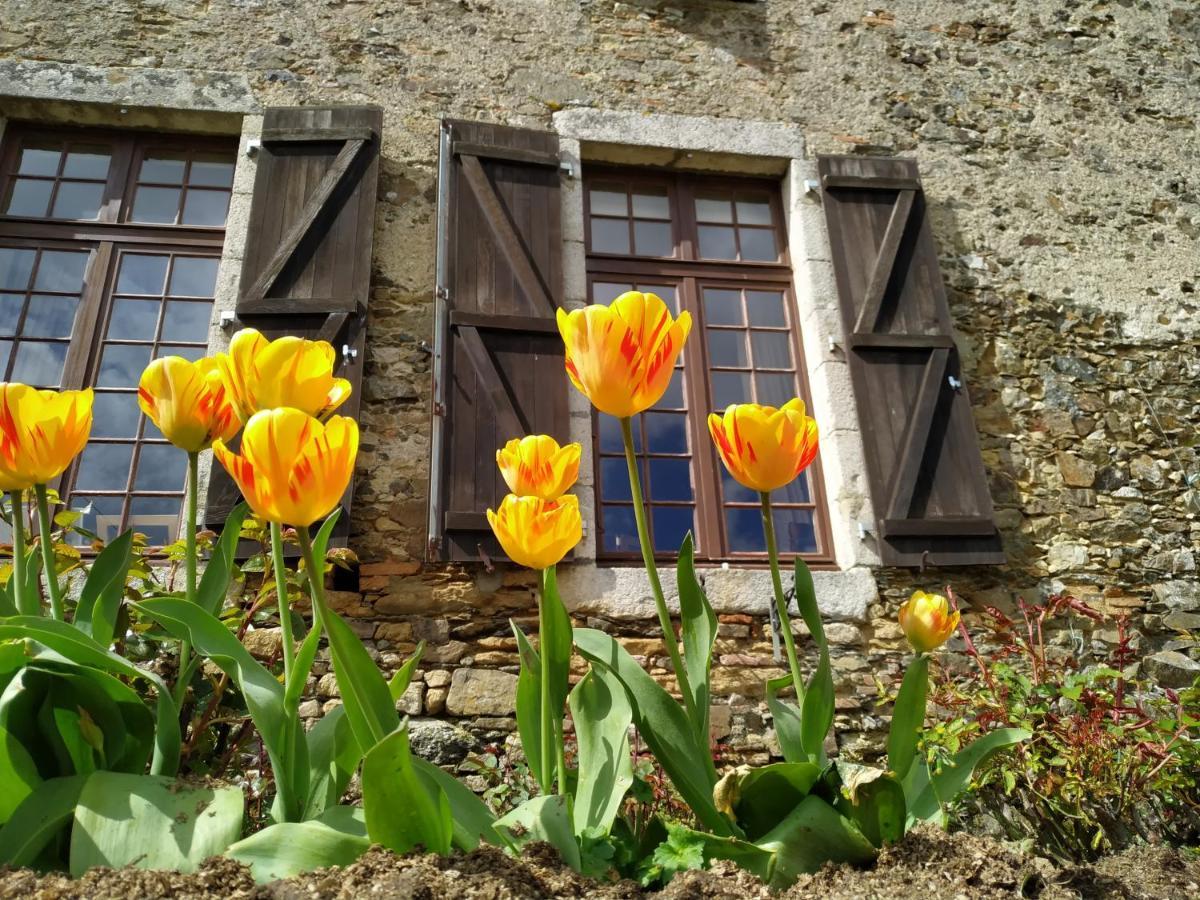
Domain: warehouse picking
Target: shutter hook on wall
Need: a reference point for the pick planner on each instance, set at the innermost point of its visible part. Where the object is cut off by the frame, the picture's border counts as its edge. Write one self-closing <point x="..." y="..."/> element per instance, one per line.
<point x="955" y="384"/>
<point x="349" y="353"/>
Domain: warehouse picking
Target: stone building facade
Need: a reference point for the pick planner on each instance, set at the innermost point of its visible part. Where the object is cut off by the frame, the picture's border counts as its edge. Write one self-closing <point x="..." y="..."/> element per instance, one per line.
<point x="1060" y="158"/>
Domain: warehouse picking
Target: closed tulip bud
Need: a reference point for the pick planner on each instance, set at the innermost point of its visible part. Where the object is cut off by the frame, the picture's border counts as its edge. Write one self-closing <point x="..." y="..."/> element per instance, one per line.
<point x="536" y="466"/>
<point x="188" y="402"/>
<point x="537" y="533"/>
<point x="622" y="356"/>
<point x="292" y="469"/>
<point x="288" y="371"/>
<point x="40" y="433"/>
<point x="927" y="621"/>
<point x="764" y="448"/>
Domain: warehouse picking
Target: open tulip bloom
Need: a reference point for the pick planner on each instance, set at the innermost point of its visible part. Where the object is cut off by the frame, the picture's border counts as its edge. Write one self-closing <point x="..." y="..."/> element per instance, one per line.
<point x="288" y="371"/>
<point x="536" y="466"/>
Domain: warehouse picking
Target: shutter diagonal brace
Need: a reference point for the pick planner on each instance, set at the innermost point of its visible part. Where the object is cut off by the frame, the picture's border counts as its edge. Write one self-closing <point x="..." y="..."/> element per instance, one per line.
<point x="916" y="434"/>
<point x="868" y="319"/>
<point x="510" y="420"/>
<point x="305" y="221"/>
<point x="506" y="236"/>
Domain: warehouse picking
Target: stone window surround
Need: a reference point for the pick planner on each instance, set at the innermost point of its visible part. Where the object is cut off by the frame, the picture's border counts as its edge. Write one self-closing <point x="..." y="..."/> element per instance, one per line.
<point x="727" y="146"/>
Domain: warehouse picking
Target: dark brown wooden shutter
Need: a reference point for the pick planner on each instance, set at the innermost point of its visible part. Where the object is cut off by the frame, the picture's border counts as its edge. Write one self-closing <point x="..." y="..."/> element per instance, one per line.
<point x="307" y="264"/>
<point x="928" y="482"/>
<point x="498" y="367"/>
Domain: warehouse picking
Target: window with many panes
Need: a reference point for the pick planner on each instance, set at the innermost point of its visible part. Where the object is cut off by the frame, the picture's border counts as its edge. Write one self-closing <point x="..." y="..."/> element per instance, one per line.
<point x="716" y="248"/>
<point x="109" y="246"/>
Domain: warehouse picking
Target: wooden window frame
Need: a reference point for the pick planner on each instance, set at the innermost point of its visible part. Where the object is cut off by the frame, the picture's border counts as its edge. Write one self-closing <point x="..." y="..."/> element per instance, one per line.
<point x="106" y="237"/>
<point x="689" y="272"/>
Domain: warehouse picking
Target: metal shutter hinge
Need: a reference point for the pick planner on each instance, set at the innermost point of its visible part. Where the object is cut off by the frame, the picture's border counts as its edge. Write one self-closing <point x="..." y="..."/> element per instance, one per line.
<point x="568" y="167"/>
<point x="349" y="353"/>
<point x="441" y="293"/>
<point x="228" y="317"/>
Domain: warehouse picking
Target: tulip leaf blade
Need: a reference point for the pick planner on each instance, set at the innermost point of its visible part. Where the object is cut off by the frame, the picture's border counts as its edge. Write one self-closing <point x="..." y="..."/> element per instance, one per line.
<point x="529" y="704"/>
<point x="102" y="592"/>
<point x="698" y="623"/>
<point x="542" y="819"/>
<point x="926" y="794"/>
<point x="333" y="755"/>
<point x="816" y="710"/>
<point x="18" y="774"/>
<point x="470" y="817"/>
<point x="337" y="838"/>
<point x="365" y="694"/>
<point x="214" y="583"/>
<point x="402" y="808"/>
<point x="37" y="819"/>
<point x="403" y="677"/>
<point x="806" y="601"/>
<point x="786" y="717"/>
<point x="555" y="641"/>
<point x="874" y="800"/>
<point x="601" y="712"/>
<point x="768" y="793"/>
<point x="813" y="834"/>
<point x="908" y="717"/>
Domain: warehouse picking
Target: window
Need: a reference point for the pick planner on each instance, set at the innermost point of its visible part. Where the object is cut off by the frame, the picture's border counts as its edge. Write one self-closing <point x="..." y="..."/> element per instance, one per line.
<point x="716" y="248"/>
<point x="109" y="247"/>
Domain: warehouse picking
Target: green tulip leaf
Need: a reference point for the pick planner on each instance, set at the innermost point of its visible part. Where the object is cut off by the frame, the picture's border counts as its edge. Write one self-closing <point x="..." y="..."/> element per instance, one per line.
<point x="813" y="834"/>
<point x="39" y="818"/>
<point x="699" y="627"/>
<point x="471" y="819"/>
<point x="218" y="572"/>
<point x="601" y="712"/>
<point x="926" y="796"/>
<point x="542" y="819"/>
<point x="403" y="677"/>
<point x="767" y="794"/>
<point x="18" y="775"/>
<point x="787" y="721"/>
<point x="529" y="705"/>
<point x="365" y="694"/>
<point x="874" y="801"/>
<point x="403" y="810"/>
<point x="908" y="717"/>
<point x="337" y="838"/>
<point x="102" y="592"/>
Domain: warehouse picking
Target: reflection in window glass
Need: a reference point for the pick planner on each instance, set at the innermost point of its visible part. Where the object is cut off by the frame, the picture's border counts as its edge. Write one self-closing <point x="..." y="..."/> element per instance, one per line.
<point x="652" y="238"/>
<point x="666" y="432"/>
<point x="610" y="235"/>
<point x="772" y="349"/>
<point x="212" y="170"/>
<point x="722" y="307"/>
<point x="669" y="525"/>
<point x="193" y="276"/>
<point x="205" y="208"/>
<point x="78" y="200"/>
<point x="101" y="516"/>
<point x="16" y="265"/>
<point x="713" y="209"/>
<point x="651" y="203"/>
<point x="730" y="387"/>
<point x="87" y="161"/>
<point x="50" y="316"/>
<point x="61" y="271"/>
<point x="758" y="244"/>
<point x="142" y="273"/>
<point x="670" y="479"/>
<point x="608" y="202"/>
<point x="766" y="309"/>
<point x="155" y="517"/>
<point x="155" y="205"/>
<point x="28" y="197"/>
<point x="716" y="242"/>
<point x="114" y="415"/>
<point x="727" y="348"/>
<point x="614" y="476"/>
<point x="104" y="467"/>
<point x="619" y="529"/>
<point x="39" y="364"/>
<point x="794" y="530"/>
<point x="163" y="167"/>
<point x="160" y="468"/>
<point x="744" y="530"/>
<point x="40" y="158"/>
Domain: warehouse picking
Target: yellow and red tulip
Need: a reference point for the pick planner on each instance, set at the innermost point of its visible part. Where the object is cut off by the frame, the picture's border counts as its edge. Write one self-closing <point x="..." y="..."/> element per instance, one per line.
<point x="288" y="371"/>
<point x="764" y="448"/>
<point x="188" y="401"/>
<point x="537" y="533"/>
<point x="622" y="356"/>
<point x="927" y="621"/>
<point x="536" y="466"/>
<point x="40" y="433"/>
<point x="292" y="469"/>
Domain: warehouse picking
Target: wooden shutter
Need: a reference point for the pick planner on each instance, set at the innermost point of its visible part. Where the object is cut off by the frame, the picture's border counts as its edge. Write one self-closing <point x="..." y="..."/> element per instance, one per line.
<point x="498" y="366"/>
<point x="927" y="478"/>
<point x="307" y="264"/>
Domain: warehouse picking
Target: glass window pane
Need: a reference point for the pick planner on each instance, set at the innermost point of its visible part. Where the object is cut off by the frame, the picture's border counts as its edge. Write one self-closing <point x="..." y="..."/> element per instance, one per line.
<point x="714" y="209"/>
<point x="104" y="467"/>
<point x="133" y="320"/>
<point x="716" y="242"/>
<point x="161" y="467"/>
<point x="651" y="203"/>
<point x="610" y="435"/>
<point x="619" y="529"/>
<point x="744" y="529"/>
<point x="155" y="517"/>
<point x="201" y="207"/>
<point x="734" y="492"/>
<point x="614" y="479"/>
<point x="5" y="352"/>
<point x="775" y="390"/>
<point x="50" y="316"/>
<point x="10" y="313"/>
<point x="186" y="320"/>
<point x="608" y="202"/>
<point x="101" y="516"/>
<point x="87" y="161"/>
<point x="772" y="349"/>
<point x="722" y="307"/>
<point x="672" y="398"/>
<point x="669" y="525"/>
<point x="39" y="364"/>
<point x="122" y="365"/>
<point x="606" y="292"/>
<point x="194" y="276"/>
<point x="215" y="169"/>
<point x="758" y="244"/>
<point x="40" y="158"/>
<point x="666" y="432"/>
<point x="115" y="415"/>
<point x="670" y="479"/>
<point x="730" y="387"/>
<point x="78" y="200"/>
<point x="192" y="353"/>
<point x="727" y="348"/>
<point x="754" y="212"/>
<point x="163" y="166"/>
<point x="61" y="270"/>
<point x="29" y="197"/>
<point x="142" y="273"/>
<point x="795" y="492"/>
<point x="155" y="205"/>
<point x="610" y="235"/>
<point x="652" y="238"/>
<point x="766" y="308"/>
<point x="16" y="265"/>
<point x="794" y="531"/>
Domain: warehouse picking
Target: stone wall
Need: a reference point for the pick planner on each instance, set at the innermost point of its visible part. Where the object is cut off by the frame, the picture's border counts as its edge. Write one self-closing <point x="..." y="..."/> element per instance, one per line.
<point x="1060" y="154"/>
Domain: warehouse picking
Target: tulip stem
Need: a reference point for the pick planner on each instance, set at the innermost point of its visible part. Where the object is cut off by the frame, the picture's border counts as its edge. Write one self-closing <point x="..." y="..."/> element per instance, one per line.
<point x="785" y="623"/>
<point x="26" y="606"/>
<point x="281" y="591"/>
<point x="189" y="562"/>
<point x="316" y="576"/>
<point x="547" y="735"/>
<point x="664" y="615"/>
<point x="49" y="561"/>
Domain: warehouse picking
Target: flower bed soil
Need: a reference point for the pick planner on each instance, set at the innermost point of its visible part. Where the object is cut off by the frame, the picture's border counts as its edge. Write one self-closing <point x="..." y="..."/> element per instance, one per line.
<point x="928" y="864"/>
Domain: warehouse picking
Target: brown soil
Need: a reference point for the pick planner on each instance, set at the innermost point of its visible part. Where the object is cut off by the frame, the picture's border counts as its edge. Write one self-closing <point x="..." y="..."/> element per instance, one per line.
<point x="928" y="864"/>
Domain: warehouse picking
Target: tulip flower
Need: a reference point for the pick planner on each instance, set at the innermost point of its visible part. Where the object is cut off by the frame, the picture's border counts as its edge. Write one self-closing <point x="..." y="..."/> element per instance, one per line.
<point x="537" y="533"/>
<point x="536" y="466"/>
<point x="622" y="356"/>
<point x="927" y="621"/>
<point x="188" y="402"/>
<point x="289" y="371"/>
<point x="41" y="432"/>
<point x="764" y="448"/>
<point x="292" y="469"/>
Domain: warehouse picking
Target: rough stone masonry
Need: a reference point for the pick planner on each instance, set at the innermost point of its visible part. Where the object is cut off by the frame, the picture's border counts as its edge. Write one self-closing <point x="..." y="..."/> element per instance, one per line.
<point x="1060" y="153"/>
